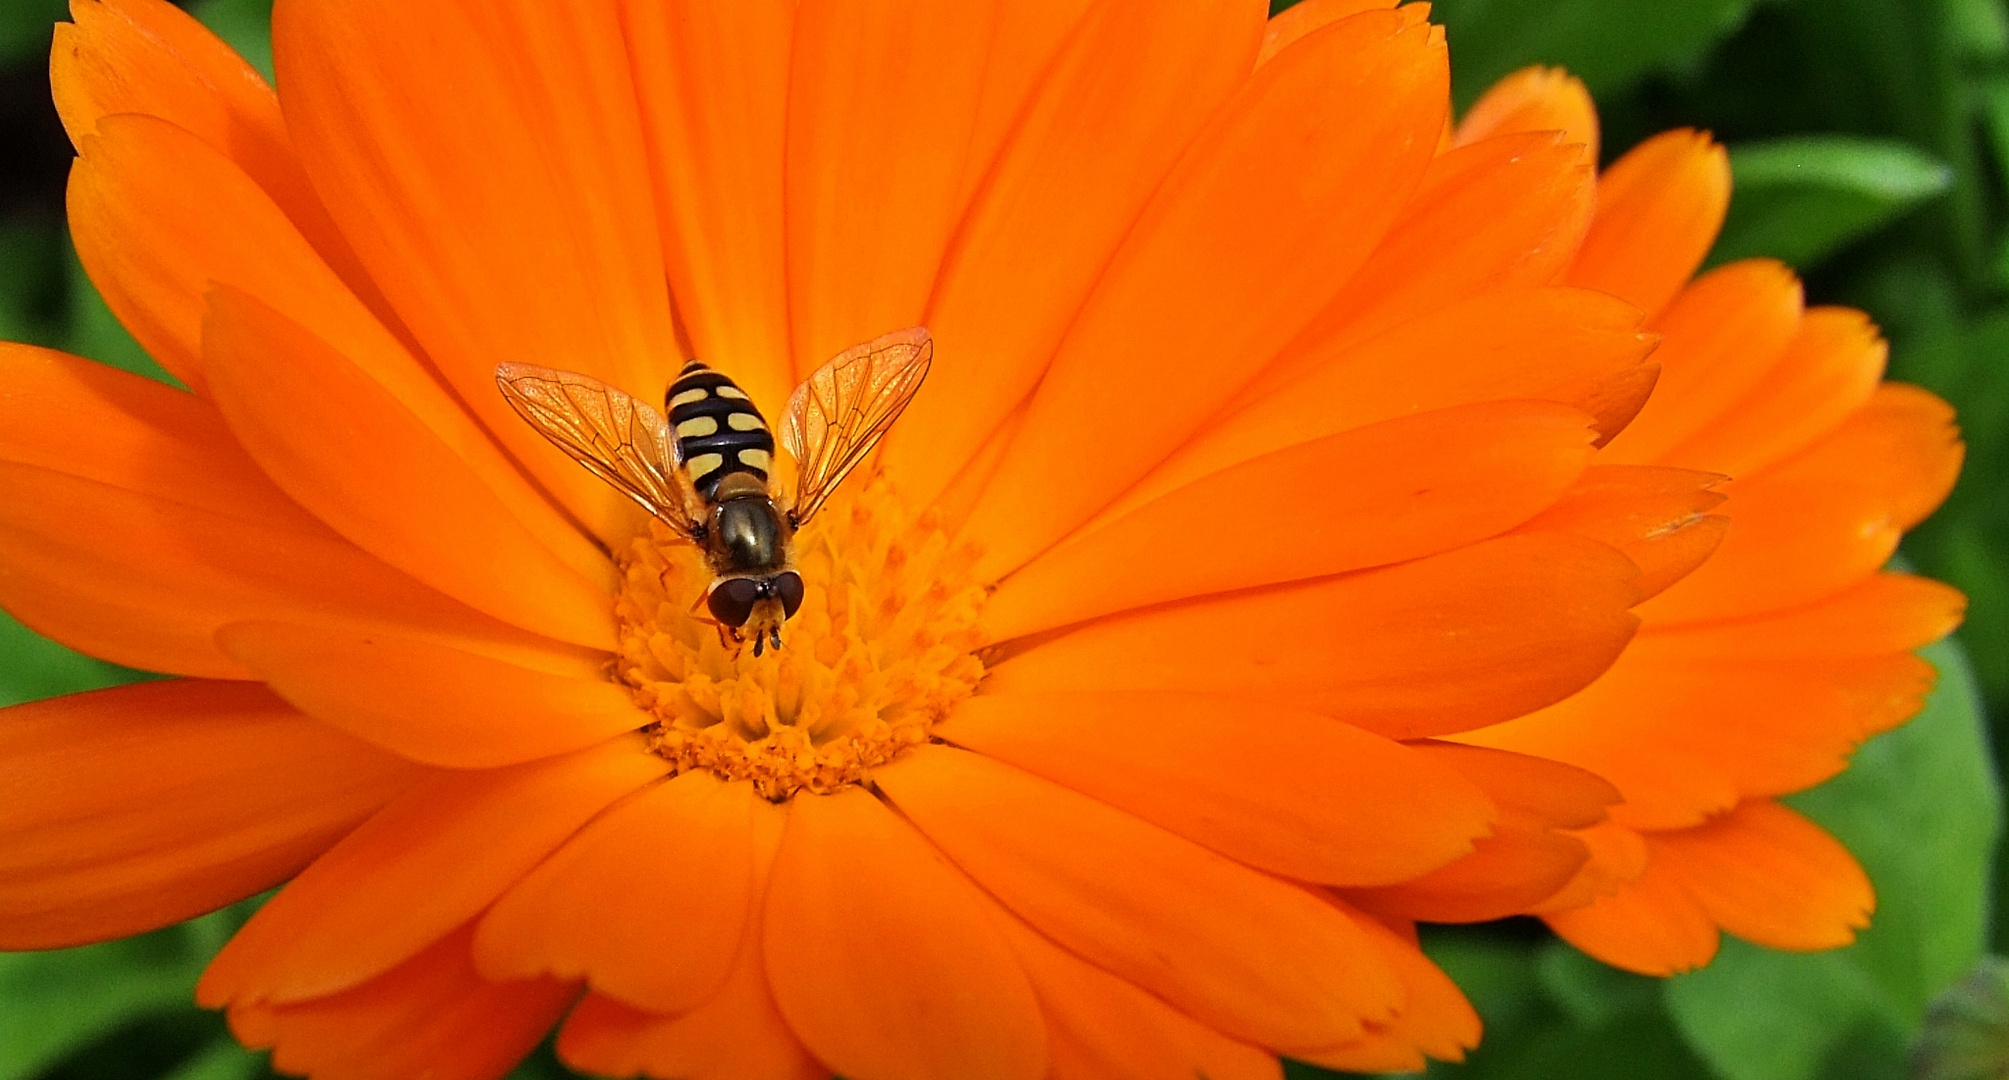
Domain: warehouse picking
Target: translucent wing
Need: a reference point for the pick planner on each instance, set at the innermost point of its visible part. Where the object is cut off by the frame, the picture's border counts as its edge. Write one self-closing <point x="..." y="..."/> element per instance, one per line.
<point x="621" y="440"/>
<point x="841" y="412"/>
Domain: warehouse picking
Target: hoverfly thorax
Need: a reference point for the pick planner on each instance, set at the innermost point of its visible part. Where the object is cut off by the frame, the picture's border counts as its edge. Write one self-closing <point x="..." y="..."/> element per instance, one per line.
<point x="703" y="469"/>
<point x="746" y="532"/>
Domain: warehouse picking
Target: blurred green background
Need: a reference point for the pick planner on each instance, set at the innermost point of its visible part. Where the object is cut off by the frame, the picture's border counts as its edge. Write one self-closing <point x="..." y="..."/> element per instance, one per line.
<point x="1870" y="143"/>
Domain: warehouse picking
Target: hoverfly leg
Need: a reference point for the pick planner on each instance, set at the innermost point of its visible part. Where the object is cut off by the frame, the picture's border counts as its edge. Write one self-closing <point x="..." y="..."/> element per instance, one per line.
<point x="758" y="641"/>
<point x="775" y="635"/>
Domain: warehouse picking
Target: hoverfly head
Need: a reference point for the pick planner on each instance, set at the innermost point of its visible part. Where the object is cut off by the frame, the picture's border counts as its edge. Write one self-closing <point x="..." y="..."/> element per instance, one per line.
<point x="756" y="606"/>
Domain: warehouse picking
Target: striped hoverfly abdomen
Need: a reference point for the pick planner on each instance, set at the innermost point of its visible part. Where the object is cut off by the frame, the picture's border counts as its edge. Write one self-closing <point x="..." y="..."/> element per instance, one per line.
<point x="718" y="430"/>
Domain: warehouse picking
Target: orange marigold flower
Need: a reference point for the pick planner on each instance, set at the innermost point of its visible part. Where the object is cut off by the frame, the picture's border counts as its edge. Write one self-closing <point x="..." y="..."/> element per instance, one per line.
<point x="1224" y="605"/>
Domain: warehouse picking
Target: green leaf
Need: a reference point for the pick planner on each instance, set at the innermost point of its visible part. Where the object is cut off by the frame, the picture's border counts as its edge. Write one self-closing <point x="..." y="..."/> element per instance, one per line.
<point x="37" y="668"/>
<point x="1992" y="103"/>
<point x="1636" y="1046"/>
<point x="1802" y="199"/>
<point x="1496" y="971"/>
<point x="31" y="261"/>
<point x="1756" y="1014"/>
<point x="25" y="26"/>
<point x="223" y="1060"/>
<point x="1980" y="27"/>
<point x="1968" y="553"/>
<point x="245" y="24"/>
<point x="1921" y="809"/>
<point x="1590" y="992"/>
<point x="1552" y="1013"/>
<point x="543" y="1064"/>
<point x="1966" y="1032"/>
<point x="1901" y="69"/>
<point x="61" y="1001"/>
<point x="1913" y="295"/>
<point x="1964" y="362"/>
<point x="1610" y="44"/>
<point x="1992" y="100"/>
<point x="1964" y="542"/>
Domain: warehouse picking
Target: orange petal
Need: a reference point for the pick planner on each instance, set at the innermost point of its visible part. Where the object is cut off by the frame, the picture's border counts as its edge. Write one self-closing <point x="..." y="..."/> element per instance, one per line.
<point x="1825" y="373"/>
<point x="1651" y="926"/>
<point x="91" y="458"/>
<point x="434" y="703"/>
<point x="507" y="210"/>
<point x="151" y="58"/>
<point x="88" y="420"/>
<point x="1506" y="213"/>
<point x="431" y="1016"/>
<point x="1576" y="348"/>
<point x="1448" y="643"/>
<point x="346" y="449"/>
<point x="1100" y="1027"/>
<point x="149" y="187"/>
<point x="883" y="98"/>
<point x="134" y="808"/>
<point x="1719" y="338"/>
<point x="1531" y="789"/>
<point x="1530" y="855"/>
<point x="1828" y="517"/>
<point x="1507" y="873"/>
<point x="713" y="83"/>
<point x="158" y="215"/>
<point x="167" y="219"/>
<point x="956" y="501"/>
<point x="1684" y="740"/>
<point x="1770" y="876"/>
<point x="1259" y="959"/>
<point x="74" y="573"/>
<point x="884" y="960"/>
<point x="1297" y="20"/>
<point x="736" y="1035"/>
<point x="647" y="903"/>
<point x="1293" y="793"/>
<point x="1659" y="518"/>
<point x="1269" y="210"/>
<point x="1388" y="493"/>
<point x="1026" y="41"/>
<point x="1617" y="859"/>
<point x="1887" y="613"/>
<point x="1435" y="1018"/>
<point x="1135" y="83"/>
<point x="379" y="897"/>
<point x="1658" y="209"/>
<point x="1534" y="99"/>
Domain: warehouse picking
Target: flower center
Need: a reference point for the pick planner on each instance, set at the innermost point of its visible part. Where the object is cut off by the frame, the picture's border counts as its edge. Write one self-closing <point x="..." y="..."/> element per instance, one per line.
<point x="880" y="651"/>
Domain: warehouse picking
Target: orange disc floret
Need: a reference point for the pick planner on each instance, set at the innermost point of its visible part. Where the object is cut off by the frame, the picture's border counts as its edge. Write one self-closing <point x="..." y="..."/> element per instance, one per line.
<point x="1290" y="543"/>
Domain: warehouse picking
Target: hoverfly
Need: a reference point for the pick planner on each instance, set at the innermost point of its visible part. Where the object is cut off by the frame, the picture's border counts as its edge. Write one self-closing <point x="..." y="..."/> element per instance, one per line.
<point x="703" y="471"/>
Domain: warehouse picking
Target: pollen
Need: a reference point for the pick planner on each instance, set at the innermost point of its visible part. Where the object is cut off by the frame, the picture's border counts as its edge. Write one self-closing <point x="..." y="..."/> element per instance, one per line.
<point x="881" y="650"/>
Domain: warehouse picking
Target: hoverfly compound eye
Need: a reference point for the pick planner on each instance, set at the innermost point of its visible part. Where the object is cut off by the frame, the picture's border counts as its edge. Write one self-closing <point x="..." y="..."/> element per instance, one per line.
<point x="787" y="588"/>
<point x="731" y="600"/>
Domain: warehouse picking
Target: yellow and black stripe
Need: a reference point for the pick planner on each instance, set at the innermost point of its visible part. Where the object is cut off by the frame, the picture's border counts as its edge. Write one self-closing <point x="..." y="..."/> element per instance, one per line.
<point x="718" y="431"/>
